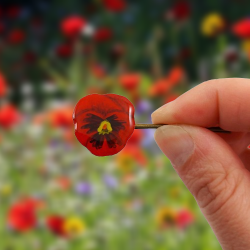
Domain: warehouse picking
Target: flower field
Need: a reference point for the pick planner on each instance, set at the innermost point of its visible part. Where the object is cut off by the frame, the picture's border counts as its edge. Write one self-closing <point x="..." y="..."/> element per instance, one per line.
<point x="54" y="193"/>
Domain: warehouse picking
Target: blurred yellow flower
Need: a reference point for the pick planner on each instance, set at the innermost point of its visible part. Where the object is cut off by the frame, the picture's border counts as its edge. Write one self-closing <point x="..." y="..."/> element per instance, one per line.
<point x="74" y="226"/>
<point x="212" y="24"/>
<point x="175" y="192"/>
<point x="246" y="45"/>
<point x="166" y="217"/>
<point x="6" y="190"/>
<point x="125" y="162"/>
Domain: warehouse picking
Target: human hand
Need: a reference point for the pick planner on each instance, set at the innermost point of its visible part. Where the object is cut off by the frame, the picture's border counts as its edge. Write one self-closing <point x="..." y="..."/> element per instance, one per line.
<point x="214" y="167"/>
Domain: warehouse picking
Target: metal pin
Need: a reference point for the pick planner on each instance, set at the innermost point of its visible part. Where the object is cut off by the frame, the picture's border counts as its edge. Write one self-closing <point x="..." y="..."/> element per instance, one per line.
<point x="155" y="126"/>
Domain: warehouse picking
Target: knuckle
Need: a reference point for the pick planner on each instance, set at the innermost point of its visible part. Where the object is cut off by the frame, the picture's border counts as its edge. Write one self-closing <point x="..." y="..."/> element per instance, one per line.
<point x="213" y="191"/>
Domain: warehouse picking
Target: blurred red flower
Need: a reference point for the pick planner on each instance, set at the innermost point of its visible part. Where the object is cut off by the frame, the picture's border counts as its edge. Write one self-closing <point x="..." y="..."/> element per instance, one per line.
<point x="9" y="116"/>
<point x="103" y="34"/>
<point x="136" y="137"/>
<point x="72" y="26"/>
<point x="130" y="81"/>
<point x="184" y="218"/>
<point x="115" y="5"/>
<point x="3" y="86"/>
<point x="64" y="51"/>
<point x="171" y="98"/>
<point x="176" y="75"/>
<point x="242" y="28"/>
<point x="13" y="11"/>
<point x="56" y="224"/>
<point x="16" y="36"/>
<point x="181" y="10"/>
<point x="22" y="215"/>
<point x="98" y="71"/>
<point x="160" y="87"/>
<point x="64" y="182"/>
<point x="61" y="117"/>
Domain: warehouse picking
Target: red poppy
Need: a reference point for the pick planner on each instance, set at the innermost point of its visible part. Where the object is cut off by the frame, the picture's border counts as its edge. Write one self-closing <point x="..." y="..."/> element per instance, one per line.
<point x="22" y="215"/>
<point x="64" y="51"/>
<point x="184" y="218"/>
<point x="9" y="116"/>
<point x="72" y="26"/>
<point x="115" y="5"/>
<point x="104" y="123"/>
<point x="181" y="10"/>
<point x="242" y="28"/>
<point x="56" y="224"/>
<point x="103" y="34"/>
<point x="3" y="86"/>
<point x="16" y="36"/>
<point x="130" y="81"/>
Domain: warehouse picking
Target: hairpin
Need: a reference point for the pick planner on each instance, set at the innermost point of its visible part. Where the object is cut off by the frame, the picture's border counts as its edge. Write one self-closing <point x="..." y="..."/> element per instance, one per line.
<point x="104" y="123"/>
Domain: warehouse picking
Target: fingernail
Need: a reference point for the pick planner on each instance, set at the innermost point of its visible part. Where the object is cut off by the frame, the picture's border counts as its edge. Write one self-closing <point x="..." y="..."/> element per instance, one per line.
<point x="176" y="143"/>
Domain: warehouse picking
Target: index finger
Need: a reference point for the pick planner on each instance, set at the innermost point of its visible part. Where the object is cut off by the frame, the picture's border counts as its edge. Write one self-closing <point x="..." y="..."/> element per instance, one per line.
<point x="221" y="102"/>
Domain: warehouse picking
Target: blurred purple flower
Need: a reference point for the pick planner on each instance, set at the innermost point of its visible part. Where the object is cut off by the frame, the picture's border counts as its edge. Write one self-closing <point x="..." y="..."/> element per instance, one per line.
<point x="143" y="106"/>
<point x="110" y="181"/>
<point x="83" y="188"/>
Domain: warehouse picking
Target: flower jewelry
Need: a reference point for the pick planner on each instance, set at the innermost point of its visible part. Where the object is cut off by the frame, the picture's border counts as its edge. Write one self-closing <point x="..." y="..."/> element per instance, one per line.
<point x="104" y="123"/>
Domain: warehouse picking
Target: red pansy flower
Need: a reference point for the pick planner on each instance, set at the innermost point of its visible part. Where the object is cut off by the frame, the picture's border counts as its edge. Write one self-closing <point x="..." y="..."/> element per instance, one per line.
<point x="16" y="36"/>
<point x="242" y="28"/>
<point x="115" y="5"/>
<point x="22" y="215"/>
<point x="9" y="116"/>
<point x="130" y="81"/>
<point x="103" y="34"/>
<point x="3" y="86"/>
<point x="56" y="224"/>
<point x="104" y="123"/>
<point x="72" y="26"/>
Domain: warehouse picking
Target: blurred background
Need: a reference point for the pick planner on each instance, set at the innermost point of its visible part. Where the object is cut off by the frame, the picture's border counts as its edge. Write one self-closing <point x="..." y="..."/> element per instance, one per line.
<point x="54" y="194"/>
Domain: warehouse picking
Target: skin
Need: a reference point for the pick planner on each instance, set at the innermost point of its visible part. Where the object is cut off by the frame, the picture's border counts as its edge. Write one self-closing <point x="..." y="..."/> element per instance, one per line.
<point x="214" y="166"/>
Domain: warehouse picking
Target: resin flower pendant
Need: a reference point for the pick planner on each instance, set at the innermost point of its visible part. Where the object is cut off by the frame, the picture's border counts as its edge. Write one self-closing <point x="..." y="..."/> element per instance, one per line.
<point x="104" y="123"/>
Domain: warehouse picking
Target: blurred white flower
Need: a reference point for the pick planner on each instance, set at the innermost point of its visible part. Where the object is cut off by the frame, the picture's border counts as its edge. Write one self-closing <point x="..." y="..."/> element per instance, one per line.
<point x="88" y="30"/>
<point x="26" y="89"/>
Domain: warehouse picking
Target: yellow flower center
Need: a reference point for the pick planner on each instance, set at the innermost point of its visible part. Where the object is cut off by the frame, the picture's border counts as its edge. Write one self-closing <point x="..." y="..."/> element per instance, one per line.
<point x="104" y="128"/>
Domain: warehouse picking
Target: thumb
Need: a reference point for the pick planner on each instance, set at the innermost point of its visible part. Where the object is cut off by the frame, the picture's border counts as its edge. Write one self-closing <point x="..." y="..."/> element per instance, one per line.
<point x="215" y="176"/>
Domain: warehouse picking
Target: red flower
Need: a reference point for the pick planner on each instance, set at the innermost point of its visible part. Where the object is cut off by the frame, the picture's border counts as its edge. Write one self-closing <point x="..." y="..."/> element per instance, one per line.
<point x="64" y="51"/>
<point x="72" y="26"/>
<point x="9" y="116"/>
<point x="130" y="81"/>
<point x="136" y="137"/>
<point x="184" y="218"/>
<point x="13" y="12"/>
<point x="171" y="98"/>
<point x="16" y="36"/>
<point x="115" y="5"/>
<point x="98" y="71"/>
<point x="3" y="86"/>
<point x="104" y="123"/>
<point x="56" y="224"/>
<point x="159" y="88"/>
<point x="242" y="28"/>
<point x="103" y="34"/>
<point x="61" y="117"/>
<point x="22" y="215"/>
<point x="181" y="10"/>
<point x="176" y="75"/>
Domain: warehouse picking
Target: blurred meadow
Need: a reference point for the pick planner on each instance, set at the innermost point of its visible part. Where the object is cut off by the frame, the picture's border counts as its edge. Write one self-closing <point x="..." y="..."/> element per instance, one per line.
<point x="54" y="194"/>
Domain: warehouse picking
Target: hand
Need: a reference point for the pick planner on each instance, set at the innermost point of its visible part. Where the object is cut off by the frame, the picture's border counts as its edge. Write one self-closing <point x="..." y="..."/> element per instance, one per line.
<point x="214" y="166"/>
